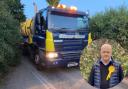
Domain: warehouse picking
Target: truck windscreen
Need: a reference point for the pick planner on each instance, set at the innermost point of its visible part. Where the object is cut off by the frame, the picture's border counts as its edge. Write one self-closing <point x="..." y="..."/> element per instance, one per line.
<point x="67" y="22"/>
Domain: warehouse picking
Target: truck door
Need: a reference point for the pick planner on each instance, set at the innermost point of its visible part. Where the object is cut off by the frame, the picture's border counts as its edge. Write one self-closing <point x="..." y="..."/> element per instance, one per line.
<point x="40" y="30"/>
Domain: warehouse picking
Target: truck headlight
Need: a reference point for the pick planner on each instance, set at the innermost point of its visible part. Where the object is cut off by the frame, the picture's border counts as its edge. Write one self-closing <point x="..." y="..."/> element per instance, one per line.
<point x="52" y="55"/>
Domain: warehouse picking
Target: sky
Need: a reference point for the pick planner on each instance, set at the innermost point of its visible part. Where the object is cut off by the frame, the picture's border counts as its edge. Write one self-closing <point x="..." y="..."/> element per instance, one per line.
<point x="93" y="6"/>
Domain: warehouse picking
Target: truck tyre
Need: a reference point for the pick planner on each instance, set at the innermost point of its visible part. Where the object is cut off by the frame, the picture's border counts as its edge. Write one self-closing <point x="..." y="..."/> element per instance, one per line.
<point x="37" y="59"/>
<point x="25" y="51"/>
<point x="37" y="62"/>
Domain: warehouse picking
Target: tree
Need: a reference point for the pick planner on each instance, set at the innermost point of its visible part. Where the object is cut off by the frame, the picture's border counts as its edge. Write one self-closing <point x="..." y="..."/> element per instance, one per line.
<point x="9" y="36"/>
<point x="16" y="9"/>
<point x="53" y="2"/>
<point x="112" y="24"/>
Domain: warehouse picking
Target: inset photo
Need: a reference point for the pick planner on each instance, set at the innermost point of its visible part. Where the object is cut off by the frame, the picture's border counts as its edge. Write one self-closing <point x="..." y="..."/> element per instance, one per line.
<point x="104" y="63"/>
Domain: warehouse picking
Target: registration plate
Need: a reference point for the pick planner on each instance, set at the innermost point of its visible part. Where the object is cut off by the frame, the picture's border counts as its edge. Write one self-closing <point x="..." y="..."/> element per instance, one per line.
<point x="71" y="64"/>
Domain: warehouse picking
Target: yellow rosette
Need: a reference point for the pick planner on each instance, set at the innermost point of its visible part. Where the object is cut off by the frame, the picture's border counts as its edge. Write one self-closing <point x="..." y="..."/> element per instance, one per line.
<point x="111" y="69"/>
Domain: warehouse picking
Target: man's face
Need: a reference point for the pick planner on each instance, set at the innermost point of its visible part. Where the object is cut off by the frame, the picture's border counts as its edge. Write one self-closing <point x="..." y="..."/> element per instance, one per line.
<point x="106" y="52"/>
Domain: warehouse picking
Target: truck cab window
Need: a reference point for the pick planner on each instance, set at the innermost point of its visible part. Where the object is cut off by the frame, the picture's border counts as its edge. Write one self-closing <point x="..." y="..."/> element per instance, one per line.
<point x="40" y="24"/>
<point x="44" y="19"/>
<point x="37" y="23"/>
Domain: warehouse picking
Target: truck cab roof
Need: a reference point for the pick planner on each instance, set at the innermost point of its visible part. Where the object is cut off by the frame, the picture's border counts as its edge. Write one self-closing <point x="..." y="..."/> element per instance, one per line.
<point x="68" y="11"/>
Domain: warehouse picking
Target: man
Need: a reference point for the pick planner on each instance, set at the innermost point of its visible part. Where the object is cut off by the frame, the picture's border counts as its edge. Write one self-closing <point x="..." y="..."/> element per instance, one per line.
<point x="105" y="72"/>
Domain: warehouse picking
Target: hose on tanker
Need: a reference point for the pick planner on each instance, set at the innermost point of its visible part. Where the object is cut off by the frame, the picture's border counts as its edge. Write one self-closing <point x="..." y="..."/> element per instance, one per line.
<point x="26" y="30"/>
<point x="26" y="27"/>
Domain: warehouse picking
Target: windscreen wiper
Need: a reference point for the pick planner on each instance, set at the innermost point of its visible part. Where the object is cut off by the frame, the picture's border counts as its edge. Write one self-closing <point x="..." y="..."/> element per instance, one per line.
<point x="82" y="29"/>
<point x="61" y="29"/>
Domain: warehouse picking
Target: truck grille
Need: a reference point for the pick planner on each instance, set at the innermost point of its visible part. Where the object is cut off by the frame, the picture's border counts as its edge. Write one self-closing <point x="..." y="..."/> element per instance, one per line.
<point x="70" y="55"/>
<point x="69" y="45"/>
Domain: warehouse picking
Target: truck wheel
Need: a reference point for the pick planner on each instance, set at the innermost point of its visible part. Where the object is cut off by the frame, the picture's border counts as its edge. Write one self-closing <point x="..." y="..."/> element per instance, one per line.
<point x="37" y="59"/>
<point x="37" y="62"/>
<point x="25" y="50"/>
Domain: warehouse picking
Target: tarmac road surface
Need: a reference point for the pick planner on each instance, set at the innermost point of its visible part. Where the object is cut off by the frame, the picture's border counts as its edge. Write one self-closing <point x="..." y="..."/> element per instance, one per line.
<point x="26" y="76"/>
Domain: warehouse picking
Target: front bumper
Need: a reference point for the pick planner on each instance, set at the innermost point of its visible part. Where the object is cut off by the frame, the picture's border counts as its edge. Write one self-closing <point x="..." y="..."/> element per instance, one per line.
<point x="62" y="63"/>
<point x="65" y="59"/>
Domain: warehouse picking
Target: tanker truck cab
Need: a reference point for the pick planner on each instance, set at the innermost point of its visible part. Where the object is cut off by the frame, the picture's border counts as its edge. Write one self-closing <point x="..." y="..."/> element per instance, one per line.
<point x="60" y="34"/>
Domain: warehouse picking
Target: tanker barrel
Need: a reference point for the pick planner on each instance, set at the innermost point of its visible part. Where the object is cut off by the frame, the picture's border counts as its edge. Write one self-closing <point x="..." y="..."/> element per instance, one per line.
<point x="26" y="27"/>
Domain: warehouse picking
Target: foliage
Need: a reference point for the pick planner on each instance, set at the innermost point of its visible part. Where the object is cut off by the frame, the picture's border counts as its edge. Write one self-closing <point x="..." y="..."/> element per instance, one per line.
<point x="16" y="9"/>
<point x="112" y="24"/>
<point x="9" y="37"/>
<point x="53" y="2"/>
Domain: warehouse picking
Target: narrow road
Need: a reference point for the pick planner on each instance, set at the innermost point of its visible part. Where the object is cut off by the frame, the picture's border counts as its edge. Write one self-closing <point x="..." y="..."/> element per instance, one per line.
<point x="25" y="76"/>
